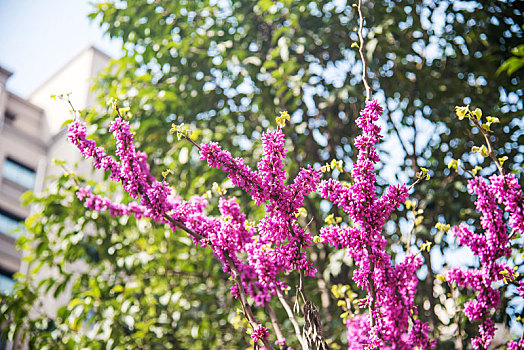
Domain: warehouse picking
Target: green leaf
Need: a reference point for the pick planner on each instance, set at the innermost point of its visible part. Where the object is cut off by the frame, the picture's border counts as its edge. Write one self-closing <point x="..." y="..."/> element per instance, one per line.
<point x="66" y="122"/>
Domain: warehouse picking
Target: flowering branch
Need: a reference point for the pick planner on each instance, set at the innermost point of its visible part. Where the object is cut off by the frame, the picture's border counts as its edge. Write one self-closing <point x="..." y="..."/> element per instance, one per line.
<point x="256" y="255"/>
<point x="390" y="289"/>
<point x="493" y="243"/>
<point x="183" y="227"/>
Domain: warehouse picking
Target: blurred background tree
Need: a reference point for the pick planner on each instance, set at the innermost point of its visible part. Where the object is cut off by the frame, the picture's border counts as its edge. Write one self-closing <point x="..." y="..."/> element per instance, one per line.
<point x="227" y="68"/>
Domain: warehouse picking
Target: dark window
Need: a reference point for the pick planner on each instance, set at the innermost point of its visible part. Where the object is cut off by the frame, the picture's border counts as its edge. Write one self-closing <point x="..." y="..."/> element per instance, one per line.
<point x="18" y="173"/>
<point x="9" y="117"/>
<point x="10" y="225"/>
<point x="6" y="282"/>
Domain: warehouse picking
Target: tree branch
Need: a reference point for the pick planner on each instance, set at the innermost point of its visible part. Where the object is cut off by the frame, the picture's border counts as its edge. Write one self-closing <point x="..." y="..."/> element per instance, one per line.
<point x="361" y="51"/>
<point x="490" y="146"/>
<point x="248" y="312"/>
<point x="276" y="325"/>
<point x="183" y="227"/>
<point x="292" y="318"/>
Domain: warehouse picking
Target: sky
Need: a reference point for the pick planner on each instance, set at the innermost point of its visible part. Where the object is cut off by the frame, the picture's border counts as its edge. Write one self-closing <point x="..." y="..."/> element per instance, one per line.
<point x="38" y="37"/>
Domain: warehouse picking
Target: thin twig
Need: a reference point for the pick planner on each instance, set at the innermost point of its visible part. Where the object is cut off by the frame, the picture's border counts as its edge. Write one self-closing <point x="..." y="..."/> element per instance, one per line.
<point x="468" y="171"/>
<point x="248" y="312"/>
<point x="292" y="318"/>
<point x="193" y="142"/>
<point x="75" y="113"/>
<point x="118" y="111"/>
<point x="309" y="223"/>
<point x="414" y="183"/>
<point x="490" y="146"/>
<point x="65" y="97"/>
<point x="361" y="51"/>
<point x="301" y="289"/>
<point x="183" y="227"/>
<point x="276" y="325"/>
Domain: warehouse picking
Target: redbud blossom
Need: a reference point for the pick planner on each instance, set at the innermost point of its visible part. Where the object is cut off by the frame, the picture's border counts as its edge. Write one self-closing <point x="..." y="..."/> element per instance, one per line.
<point x="394" y="286"/>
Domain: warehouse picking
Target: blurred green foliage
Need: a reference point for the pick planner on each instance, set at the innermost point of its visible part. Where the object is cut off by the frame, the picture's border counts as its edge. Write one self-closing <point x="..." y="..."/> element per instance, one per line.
<point x="127" y="283"/>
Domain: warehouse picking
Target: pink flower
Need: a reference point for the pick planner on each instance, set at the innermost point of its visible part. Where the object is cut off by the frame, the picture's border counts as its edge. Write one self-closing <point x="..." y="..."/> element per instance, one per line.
<point x="516" y="345"/>
<point x="394" y="286"/>
<point x="260" y="332"/>
<point x="489" y="246"/>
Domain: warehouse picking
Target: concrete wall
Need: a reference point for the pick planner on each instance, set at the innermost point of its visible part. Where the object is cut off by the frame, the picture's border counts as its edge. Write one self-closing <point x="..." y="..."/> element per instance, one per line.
<point x="22" y="139"/>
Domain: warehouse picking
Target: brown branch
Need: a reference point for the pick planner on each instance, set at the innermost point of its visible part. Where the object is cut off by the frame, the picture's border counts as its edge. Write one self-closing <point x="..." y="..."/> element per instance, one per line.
<point x="301" y="289"/>
<point x="490" y="146"/>
<point x="361" y="51"/>
<point x="414" y="183"/>
<point x="368" y="97"/>
<point x="430" y="282"/>
<point x="322" y="286"/>
<point x="248" y="312"/>
<point x="73" y="110"/>
<point x="467" y="171"/>
<point x="183" y="227"/>
<point x="193" y="142"/>
<point x="397" y="132"/>
<point x="292" y="318"/>
<point x="276" y="325"/>
<point x="118" y="111"/>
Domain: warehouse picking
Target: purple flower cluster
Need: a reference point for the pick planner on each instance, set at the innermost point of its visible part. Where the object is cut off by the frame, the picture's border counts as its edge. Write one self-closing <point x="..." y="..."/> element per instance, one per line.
<point x="508" y="192"/>
<point x="238" y="171"/>
<point x="357" y="332"/>
<point x="418" y="337"/>
<point x="100" y="204"/>
<point x="260" y="332"/>
<point x="277" y="241"/>
<point x="156" y="199"/>
<point x="489" y="247"/>
<point x="131" y="170"/>
<point x="391" y="289"/>
<point x="274" y="246"/>
<point x="259" y="254"/>
<point x="520" y="289"/>
<point x="516" y="345"/>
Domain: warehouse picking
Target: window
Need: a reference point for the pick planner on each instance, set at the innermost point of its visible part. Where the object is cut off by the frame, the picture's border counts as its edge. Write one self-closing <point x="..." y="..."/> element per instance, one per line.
<point x="9" y="117"/>
<point x="6" y="282"/>
<point x="9" y="223"/>
<point x="18" y="173"/>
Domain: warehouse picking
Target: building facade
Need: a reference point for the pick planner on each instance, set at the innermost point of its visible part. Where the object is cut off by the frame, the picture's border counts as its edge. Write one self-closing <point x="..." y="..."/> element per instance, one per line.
<point x="30" y="137"/>
<point x="23" y="148"/>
